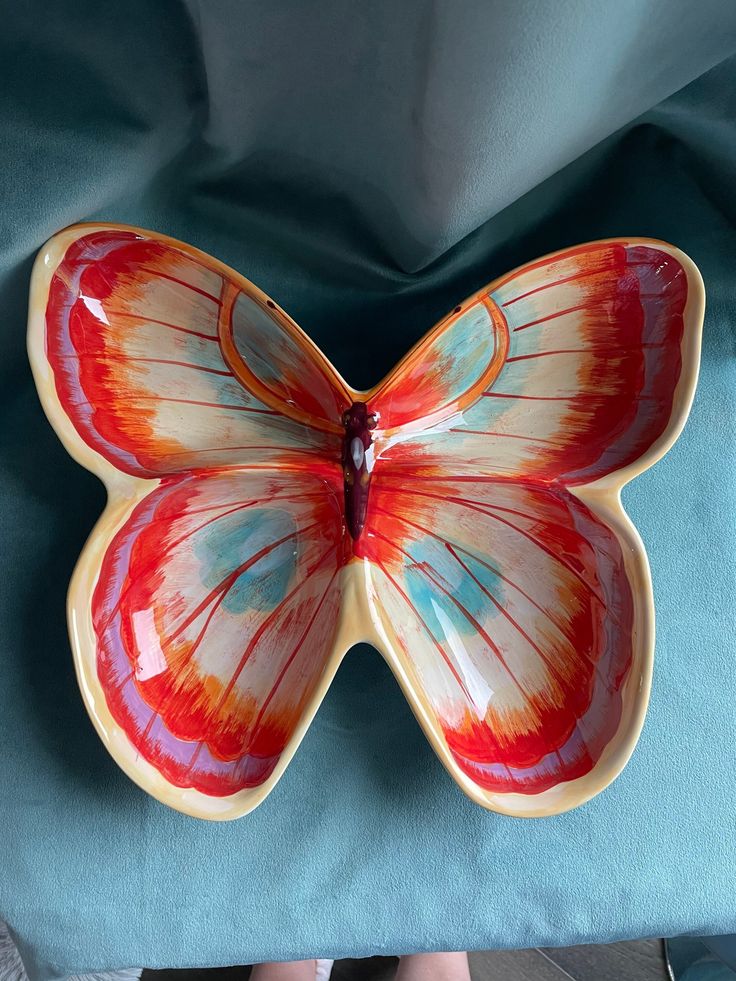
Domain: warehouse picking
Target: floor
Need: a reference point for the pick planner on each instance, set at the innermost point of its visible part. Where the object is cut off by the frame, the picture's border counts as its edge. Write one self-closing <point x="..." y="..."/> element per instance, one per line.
<point x="640" y="960"/>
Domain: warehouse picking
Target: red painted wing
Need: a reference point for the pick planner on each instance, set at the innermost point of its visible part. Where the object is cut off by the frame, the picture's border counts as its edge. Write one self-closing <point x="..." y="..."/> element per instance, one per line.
<point x="214" y="613"/>
<point x="146" y="339"/>
<point x="591" y="348"/>
<point x="512" y="613"/>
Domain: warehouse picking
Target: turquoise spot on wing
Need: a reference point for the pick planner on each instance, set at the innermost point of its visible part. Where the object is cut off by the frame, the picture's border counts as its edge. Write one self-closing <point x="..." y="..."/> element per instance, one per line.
<point x="437" y="573"/>
<point x="232" y="542"/>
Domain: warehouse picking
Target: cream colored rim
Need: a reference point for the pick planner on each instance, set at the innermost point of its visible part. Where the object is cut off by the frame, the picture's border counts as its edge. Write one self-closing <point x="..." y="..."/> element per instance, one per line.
<point x="360" y="620"/>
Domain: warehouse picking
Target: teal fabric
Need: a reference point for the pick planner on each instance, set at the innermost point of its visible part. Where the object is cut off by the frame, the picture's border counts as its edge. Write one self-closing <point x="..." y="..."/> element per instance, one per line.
<point x="368" y="165"/>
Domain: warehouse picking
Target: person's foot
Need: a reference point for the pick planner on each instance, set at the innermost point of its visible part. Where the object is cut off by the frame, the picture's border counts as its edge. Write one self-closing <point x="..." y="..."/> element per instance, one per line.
<point x="412" y="967"/>
<point x="434" y="967"/>
<point x="284" y="971"/>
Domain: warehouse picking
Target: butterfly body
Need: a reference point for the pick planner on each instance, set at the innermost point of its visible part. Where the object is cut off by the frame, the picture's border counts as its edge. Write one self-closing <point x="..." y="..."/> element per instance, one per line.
<point x="463" y="516"/>
<point x="357" y="463"/>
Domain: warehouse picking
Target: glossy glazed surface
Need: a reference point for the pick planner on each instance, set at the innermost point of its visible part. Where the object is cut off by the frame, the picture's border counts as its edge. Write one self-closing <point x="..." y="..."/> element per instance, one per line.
<point x="463" y="516"/>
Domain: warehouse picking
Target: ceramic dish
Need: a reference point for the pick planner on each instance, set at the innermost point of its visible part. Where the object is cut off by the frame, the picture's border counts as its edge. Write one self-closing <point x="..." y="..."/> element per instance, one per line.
<point x="463" y="516"/>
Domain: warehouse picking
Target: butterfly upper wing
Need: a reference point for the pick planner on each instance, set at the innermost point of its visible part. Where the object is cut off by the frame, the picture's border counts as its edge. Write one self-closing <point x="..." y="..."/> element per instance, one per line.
<point x="163" y="359"/>
<point x="591" y="379"/>
<point x="446" y="372"/>
<point x="516" y="613"/>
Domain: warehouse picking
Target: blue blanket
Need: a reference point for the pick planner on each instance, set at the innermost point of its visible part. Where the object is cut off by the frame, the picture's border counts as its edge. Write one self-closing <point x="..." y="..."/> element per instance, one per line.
<point x="368" y="166"/>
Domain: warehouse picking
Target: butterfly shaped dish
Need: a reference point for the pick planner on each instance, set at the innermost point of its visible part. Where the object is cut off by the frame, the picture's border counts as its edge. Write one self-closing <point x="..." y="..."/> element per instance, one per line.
<point x="463" y="516"/>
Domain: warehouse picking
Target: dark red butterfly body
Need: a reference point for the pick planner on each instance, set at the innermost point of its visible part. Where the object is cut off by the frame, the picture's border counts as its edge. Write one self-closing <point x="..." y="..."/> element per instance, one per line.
<point x="357" y="463"/>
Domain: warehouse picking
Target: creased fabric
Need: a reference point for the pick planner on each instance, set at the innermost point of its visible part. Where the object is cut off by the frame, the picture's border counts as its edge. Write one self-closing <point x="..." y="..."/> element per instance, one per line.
<point x="368" y="166"/>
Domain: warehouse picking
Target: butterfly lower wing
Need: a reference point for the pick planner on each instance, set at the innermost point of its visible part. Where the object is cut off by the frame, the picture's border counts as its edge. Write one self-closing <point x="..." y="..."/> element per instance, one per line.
<point x="600" y="357"/>
<point x="210" y="636"/>
<point x="131" y="349"/>
<point x="512" y="615"/>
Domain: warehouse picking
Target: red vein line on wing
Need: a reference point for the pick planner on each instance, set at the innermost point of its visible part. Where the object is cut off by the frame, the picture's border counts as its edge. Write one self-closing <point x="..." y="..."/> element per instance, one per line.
<point x="205" y="264"/>
<point x="531" y="439"/>
<point x="578" y="397"/>
<point x="126" y="359"/>
<point x="113" y="315"/>
<point x="543" y="398"/>
<point x="130" y="400"/>
<point x="534" y="518"/>
<point x="586" y="350"/>
<point x="553" y="316"/>
<point x="254" y="640"/>
<point x="179" y="282"/>
<point x="545" y="354"/>
<point x="208" y="405"/>
<point x="495" y="478"/>
<point x="195" y="452"/>
<point x="477" y="558"/>
<point x="156" y="560"/>
<point x="561" y="282"/>
<point x="288" y="663"/>
<point x="191" y="455"/>
<point x="576" y="276"/>
<point x="433" y="578"/>
<point x="232" y="508"/>
<point x="295" y="497"/>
